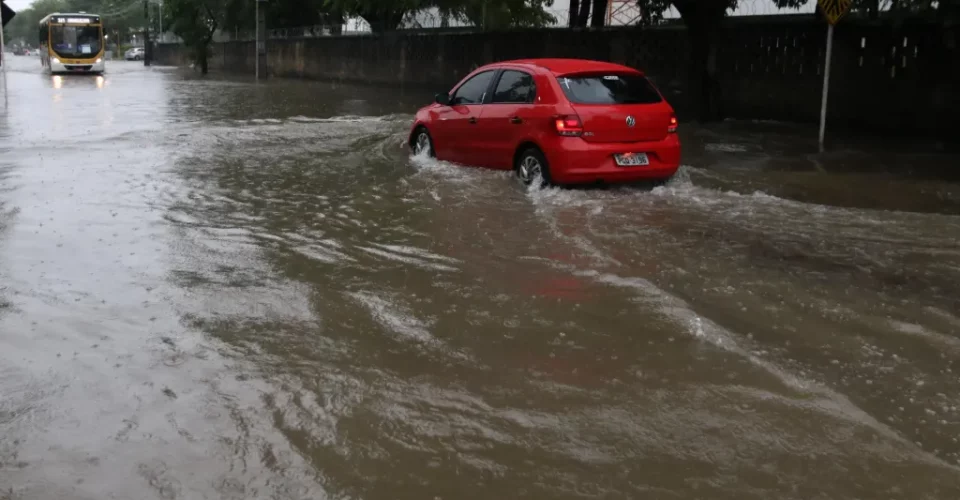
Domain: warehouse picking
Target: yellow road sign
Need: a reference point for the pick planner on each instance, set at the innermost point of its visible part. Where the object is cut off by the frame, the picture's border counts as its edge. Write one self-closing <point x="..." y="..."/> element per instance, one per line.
<point x="833" y="10"/>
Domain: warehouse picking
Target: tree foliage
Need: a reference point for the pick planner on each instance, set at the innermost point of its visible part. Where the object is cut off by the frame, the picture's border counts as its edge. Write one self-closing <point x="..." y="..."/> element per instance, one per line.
<point x="196" y="21"/>
<point x="499" y="14"/>
<point x="703" y="19"/>
<point x="385" y="15"/>
<point x="654" y="9"/>
<point x="583" y="10"/>
<point x="119" y="17"/>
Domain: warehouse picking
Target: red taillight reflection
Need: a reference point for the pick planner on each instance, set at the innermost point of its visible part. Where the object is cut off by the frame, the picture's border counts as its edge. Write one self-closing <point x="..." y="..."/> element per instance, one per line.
<point x="672" y="128"/>
<point x="569" y="125"/>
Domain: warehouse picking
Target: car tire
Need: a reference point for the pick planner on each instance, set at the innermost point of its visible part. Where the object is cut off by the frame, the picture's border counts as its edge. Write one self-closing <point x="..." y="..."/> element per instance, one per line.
<point x="530" y="164"/>
<point x="422" y="140"/>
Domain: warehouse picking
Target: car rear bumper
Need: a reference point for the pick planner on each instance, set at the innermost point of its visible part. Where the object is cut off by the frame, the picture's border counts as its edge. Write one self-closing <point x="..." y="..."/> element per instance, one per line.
<point x="575" y="161"/>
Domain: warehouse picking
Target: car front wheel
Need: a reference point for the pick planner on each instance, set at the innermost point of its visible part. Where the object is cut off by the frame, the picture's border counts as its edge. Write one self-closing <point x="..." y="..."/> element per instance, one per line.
<point x="422" y="142"/>
<point x="532" y="165"/>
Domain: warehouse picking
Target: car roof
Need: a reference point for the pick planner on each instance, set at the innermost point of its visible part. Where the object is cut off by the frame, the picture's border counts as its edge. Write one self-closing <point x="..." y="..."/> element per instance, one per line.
<point x="567" y="66"/>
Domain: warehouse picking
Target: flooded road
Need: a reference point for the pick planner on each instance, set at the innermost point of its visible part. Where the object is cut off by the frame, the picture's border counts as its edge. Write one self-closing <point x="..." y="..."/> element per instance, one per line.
<point x="217" y="289"/>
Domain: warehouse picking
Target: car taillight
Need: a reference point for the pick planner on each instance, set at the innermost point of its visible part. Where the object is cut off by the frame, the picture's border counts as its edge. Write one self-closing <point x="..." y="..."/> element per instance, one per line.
<point x="672" y="128"/>
<point x="569" y="125"/>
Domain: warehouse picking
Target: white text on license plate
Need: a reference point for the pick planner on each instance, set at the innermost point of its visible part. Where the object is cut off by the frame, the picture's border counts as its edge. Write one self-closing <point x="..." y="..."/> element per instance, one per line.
<point x="631" y="159"/>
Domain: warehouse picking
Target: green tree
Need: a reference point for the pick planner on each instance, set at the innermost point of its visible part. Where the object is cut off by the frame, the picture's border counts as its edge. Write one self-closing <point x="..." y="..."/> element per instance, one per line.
<point x="382" y="15"/>
<point x="119" y="16"/>
<point x="24" y="26"/>
<point x="704" y="21"/>
<point x="498" y="14"/>
<point x="195" y="22"/>
<point x="294" y="13"/>
<point x="386" y="15"/>
<point x="580" y="12"/>
<point x="599" y="13"/>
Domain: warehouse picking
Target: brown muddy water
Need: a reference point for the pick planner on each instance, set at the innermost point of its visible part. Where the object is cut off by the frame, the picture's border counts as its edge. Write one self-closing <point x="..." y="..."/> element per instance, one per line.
<point x="218" y="289"/>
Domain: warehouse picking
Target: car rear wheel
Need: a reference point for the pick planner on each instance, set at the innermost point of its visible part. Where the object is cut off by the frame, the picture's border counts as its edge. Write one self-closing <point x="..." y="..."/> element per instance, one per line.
<point x="422" y="142"/>
<point x="531" y="165"/>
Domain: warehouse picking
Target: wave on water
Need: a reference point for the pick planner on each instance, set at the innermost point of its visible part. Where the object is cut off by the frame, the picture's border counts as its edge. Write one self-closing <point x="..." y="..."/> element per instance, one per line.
<point x="395" y="318"/>
<point x="425" y="163"/>
<point x="681" y="191"/>
<point x="349" y="119"/>
<point x="386" y="119"/>
<point x="826" y="399"/>
<point x="414" y="256"/>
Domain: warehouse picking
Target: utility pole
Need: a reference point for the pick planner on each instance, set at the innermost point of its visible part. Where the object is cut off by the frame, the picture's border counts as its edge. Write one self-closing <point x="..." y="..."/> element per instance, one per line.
<point x="261" y="40"/>
<point x="147" y="53"/>
<point x="160" y="16"/>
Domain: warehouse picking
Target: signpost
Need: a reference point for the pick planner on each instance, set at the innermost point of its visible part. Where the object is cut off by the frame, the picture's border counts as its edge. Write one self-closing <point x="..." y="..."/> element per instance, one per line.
<point x="6" y="14"/>
<point x="833" y="10"/>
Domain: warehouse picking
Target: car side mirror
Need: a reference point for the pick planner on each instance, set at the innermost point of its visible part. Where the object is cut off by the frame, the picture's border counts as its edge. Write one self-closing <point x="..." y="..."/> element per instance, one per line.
<point x="442" y="99"/>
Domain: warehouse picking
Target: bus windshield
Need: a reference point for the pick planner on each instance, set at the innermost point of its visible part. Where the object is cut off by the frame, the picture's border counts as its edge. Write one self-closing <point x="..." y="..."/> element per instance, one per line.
<point x="75" y="41"/>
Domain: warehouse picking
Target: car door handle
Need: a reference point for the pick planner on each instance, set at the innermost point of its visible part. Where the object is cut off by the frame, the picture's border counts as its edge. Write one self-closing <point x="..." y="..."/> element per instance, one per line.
<point x="516" y="120"/>
<point x="472" y="119"/>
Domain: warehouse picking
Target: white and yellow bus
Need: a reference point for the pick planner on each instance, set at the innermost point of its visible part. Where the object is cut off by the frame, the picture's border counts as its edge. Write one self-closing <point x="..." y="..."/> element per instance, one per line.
<point x="72" y="43"/>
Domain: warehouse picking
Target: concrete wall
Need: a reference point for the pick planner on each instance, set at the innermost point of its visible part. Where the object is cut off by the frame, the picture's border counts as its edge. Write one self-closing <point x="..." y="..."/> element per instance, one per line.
<point x="901" y="78"/>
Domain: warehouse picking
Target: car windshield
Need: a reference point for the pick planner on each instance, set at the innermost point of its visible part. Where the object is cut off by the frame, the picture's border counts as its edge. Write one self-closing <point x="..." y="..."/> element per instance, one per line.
<point x="609" y="88"/>
<point x="75" y="41"/>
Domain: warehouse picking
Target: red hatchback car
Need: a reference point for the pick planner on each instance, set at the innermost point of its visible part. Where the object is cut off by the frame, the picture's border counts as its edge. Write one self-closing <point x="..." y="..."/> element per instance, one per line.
<point x="568" y="121"/>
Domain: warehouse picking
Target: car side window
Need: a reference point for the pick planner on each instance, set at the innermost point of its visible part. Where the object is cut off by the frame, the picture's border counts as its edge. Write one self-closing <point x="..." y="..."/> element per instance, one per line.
<point x="473" y="90"/>
<point x="515" y="87"/>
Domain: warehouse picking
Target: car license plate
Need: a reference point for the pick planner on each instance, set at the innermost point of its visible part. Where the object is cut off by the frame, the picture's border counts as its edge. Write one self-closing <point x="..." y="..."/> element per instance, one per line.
<point x="631" y="159"/>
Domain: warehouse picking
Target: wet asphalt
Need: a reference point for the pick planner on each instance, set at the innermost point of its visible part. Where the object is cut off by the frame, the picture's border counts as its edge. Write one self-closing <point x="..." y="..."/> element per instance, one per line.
<point x="212" y="288"/>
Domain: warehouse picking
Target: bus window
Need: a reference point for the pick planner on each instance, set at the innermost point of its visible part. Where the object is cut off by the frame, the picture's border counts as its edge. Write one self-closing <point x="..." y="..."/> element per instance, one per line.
<point x="75" y="41"/>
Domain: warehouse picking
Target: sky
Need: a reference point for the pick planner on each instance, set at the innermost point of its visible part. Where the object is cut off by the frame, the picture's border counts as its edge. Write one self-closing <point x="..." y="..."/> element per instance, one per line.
<point x="18" y="4"/>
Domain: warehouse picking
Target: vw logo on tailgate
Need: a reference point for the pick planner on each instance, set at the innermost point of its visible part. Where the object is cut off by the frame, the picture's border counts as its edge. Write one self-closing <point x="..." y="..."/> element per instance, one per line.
<point x="631" y="121"/>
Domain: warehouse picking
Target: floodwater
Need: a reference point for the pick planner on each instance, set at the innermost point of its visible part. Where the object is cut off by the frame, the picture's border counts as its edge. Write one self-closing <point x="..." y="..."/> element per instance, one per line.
<point x="215" y="289"/>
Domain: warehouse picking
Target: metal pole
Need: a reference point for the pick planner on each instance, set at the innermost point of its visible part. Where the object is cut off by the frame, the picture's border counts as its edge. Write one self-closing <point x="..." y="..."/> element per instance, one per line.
<point x="160" y="15"/>
<point x="147" y="53"/>
<point x="261" y="42"/>
<point x="3" y="66"/>
<point x="826" y="86"/>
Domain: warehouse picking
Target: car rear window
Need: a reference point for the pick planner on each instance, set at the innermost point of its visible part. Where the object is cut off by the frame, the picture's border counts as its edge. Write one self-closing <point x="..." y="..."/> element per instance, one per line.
<point x="609" y="88"/>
